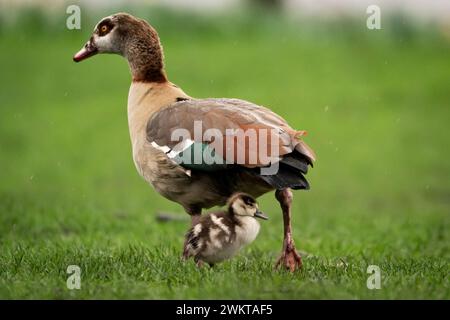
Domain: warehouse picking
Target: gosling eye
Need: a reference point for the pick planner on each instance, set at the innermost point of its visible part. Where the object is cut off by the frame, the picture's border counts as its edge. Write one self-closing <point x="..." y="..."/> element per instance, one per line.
<point x="248" y="201"/>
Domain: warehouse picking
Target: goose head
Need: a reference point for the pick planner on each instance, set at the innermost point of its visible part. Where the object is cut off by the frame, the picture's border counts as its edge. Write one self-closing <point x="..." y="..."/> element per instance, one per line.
<point x="132" y="38"/>
<point x="243" y="205"/>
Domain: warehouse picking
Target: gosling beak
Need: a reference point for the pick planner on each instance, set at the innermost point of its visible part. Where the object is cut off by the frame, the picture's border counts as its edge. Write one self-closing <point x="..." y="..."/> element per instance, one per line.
<point x="87" y="51"/>
<point x="261" y="215"/>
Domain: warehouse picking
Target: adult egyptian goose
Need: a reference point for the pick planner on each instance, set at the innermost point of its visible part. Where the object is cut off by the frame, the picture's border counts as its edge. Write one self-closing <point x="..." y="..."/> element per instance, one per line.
<point x="164" y="121"/>
<point x="219" y="236"/>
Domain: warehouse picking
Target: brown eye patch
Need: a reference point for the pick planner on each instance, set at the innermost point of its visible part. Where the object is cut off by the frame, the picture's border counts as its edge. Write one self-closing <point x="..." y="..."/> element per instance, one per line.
<point x="104" y="27"/>
<point x="248" y="200"/>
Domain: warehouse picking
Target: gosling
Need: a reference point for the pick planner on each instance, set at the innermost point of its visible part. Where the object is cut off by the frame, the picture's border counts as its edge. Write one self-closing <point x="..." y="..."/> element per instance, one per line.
<point x="219" y="236"/>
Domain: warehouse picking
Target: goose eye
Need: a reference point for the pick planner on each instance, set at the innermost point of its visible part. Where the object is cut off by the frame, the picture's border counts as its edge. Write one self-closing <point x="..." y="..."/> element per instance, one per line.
<point x="104" y="29"/>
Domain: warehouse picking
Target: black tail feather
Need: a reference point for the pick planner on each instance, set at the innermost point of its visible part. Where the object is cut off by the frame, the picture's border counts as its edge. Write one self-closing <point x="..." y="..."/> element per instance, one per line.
<point x="296" y="161"/>
<point x="290" y="173"/>
<point x="286" y="178"/>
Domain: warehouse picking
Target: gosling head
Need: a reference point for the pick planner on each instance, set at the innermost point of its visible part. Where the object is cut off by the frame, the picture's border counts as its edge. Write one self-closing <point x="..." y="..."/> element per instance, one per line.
<point x="243" y="205"/>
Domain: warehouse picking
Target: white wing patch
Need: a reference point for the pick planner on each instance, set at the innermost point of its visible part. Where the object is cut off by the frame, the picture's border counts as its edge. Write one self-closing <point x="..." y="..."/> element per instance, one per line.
<point x="180" y="147"/>
<point x="172" y="153"/>
<point x="176" y="150"/>
<point x="164" y="149"/>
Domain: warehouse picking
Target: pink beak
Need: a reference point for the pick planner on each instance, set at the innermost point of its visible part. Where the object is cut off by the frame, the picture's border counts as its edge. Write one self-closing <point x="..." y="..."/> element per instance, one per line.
<point x="87" y="51"/>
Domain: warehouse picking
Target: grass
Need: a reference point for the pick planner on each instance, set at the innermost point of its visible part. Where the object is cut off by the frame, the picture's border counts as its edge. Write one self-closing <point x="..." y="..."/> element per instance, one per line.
<point x="376" y="105"/>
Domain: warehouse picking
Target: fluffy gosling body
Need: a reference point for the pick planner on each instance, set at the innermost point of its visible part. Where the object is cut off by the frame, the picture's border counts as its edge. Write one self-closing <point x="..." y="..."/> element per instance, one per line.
<point x="219" y="236"/>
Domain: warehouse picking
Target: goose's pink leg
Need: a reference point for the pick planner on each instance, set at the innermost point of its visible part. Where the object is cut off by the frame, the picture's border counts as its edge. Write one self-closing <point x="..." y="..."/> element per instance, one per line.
<point x="289" y="258"/>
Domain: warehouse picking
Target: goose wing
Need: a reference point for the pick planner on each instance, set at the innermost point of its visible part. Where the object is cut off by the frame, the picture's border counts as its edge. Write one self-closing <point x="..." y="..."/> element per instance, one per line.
<point x="211" y="134"/>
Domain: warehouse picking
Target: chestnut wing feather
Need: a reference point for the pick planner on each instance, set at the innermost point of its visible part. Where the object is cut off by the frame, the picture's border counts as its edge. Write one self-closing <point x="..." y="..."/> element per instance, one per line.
<point x="223" y="115"/>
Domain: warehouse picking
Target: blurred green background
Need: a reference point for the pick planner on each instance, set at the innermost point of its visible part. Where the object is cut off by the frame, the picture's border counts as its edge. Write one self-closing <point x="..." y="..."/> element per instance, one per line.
<point x="376" y="104"/>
